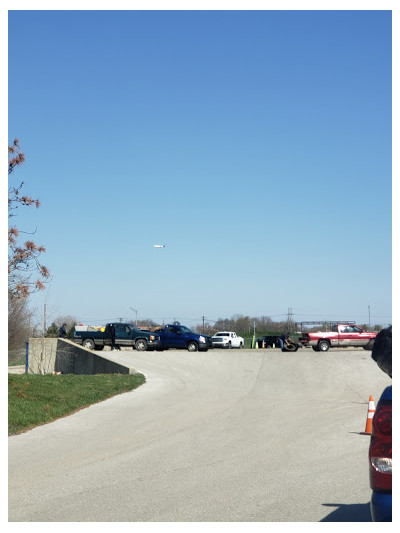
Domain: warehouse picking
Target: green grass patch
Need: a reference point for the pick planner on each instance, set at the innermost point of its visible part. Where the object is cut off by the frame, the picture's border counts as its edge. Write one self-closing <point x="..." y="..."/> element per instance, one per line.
<point x="34" y="400"/>
<point x="16" y="357"/>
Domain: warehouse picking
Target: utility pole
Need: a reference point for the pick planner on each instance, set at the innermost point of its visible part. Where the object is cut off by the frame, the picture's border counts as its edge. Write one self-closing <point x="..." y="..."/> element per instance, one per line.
<point x="369" y="317"/>
<point x="135" y="310"/>
<point x="203" y="324"/>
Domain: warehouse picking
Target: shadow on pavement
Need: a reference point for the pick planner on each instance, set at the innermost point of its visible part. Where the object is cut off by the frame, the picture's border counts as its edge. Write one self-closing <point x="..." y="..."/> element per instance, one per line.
<point x="348" y="513"/>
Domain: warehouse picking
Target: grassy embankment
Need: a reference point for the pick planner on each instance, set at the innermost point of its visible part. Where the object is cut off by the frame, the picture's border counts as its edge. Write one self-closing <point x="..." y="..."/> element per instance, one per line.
<point x="34" y="400"/>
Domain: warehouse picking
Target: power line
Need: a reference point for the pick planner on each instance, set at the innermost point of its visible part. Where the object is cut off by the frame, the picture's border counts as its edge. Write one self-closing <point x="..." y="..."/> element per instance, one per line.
<point x="290" y="317"/>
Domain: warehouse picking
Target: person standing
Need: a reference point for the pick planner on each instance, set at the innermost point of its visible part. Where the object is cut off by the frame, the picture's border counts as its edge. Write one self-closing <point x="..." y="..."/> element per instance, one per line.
<point x="112" y="335"/>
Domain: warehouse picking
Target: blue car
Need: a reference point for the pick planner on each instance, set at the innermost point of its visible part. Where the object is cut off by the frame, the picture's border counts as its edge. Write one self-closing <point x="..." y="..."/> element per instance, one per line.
<point x="380" y="459"/>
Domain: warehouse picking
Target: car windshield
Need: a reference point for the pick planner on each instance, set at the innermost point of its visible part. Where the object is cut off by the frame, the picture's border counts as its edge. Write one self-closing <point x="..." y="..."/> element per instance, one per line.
<point x="185" y="329"/>
<point x="132" y="327"/>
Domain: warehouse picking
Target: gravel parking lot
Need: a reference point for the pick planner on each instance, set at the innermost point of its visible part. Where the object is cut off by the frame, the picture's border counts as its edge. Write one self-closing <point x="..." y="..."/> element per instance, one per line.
<point x="235" y="436"/>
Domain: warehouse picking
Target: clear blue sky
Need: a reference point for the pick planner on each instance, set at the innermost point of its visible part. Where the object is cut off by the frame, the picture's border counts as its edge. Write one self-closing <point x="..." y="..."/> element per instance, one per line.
<point x="255" y="144"/>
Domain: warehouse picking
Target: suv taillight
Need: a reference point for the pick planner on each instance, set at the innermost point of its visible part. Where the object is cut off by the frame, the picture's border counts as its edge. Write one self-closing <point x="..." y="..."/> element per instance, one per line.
<point x="380" y="449"/>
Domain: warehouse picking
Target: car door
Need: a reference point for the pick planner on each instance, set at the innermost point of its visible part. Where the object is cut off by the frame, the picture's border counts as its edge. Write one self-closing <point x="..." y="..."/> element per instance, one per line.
<point x="181" y="338"/>
<point x="235" y="340"/>
<point x="174" y="337"/>
<point x="343" y="336"/>
<point x="355" y="337"/>
<point x="122" y="335"/>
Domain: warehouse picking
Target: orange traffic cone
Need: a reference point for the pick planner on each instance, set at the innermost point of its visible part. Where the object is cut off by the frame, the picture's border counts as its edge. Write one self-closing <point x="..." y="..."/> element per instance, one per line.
<point x="370" y="415"/>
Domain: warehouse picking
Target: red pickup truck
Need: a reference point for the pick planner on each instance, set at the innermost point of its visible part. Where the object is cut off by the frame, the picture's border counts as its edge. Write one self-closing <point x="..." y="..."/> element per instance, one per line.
<point x="340" y="335"/>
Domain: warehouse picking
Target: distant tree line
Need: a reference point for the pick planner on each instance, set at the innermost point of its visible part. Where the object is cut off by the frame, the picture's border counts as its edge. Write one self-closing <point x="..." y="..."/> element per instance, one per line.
<point x="246" y="325"/>
<point x="21" y="327"/>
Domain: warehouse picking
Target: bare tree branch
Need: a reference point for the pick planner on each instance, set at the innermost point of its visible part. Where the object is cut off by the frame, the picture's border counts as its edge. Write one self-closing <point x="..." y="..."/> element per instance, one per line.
<point x="23" y="259"/>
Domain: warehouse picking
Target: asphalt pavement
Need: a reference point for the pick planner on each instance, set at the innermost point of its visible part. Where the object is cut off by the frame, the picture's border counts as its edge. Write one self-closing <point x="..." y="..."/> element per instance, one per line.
<point x="222" y="436"/>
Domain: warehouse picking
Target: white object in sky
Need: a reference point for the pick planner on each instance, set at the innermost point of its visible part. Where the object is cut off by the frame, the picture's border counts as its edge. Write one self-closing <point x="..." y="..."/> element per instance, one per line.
<point x="159" y="246"/>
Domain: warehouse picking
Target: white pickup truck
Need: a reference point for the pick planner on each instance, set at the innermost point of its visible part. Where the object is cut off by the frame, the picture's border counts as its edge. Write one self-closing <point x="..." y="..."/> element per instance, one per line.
<point x="227" y="339"/>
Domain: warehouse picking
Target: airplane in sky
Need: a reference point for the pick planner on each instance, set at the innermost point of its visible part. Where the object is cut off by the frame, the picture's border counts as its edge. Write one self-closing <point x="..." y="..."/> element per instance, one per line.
<point x="159" y="246"/>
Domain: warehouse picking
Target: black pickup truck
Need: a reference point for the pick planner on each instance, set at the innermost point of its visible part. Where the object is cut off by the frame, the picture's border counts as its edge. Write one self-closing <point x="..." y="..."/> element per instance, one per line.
<point x="125" y="335"/>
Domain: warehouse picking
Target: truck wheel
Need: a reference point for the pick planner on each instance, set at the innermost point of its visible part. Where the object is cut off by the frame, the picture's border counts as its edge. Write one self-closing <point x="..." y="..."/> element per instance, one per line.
<point x="315" y="348"/>
<point x="241" y="345"/>
<point x="192" y="346"/>
<point x="370" y="345"/>
<point x="141" y="345"/>
<point x="323" y="346"/>
<point x="89" y="344"/>
<point x="229" y="345"/>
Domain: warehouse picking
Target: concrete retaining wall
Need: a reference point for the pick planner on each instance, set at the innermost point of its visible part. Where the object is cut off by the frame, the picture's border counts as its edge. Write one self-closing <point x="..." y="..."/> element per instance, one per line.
<point x="47" y="356"/>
